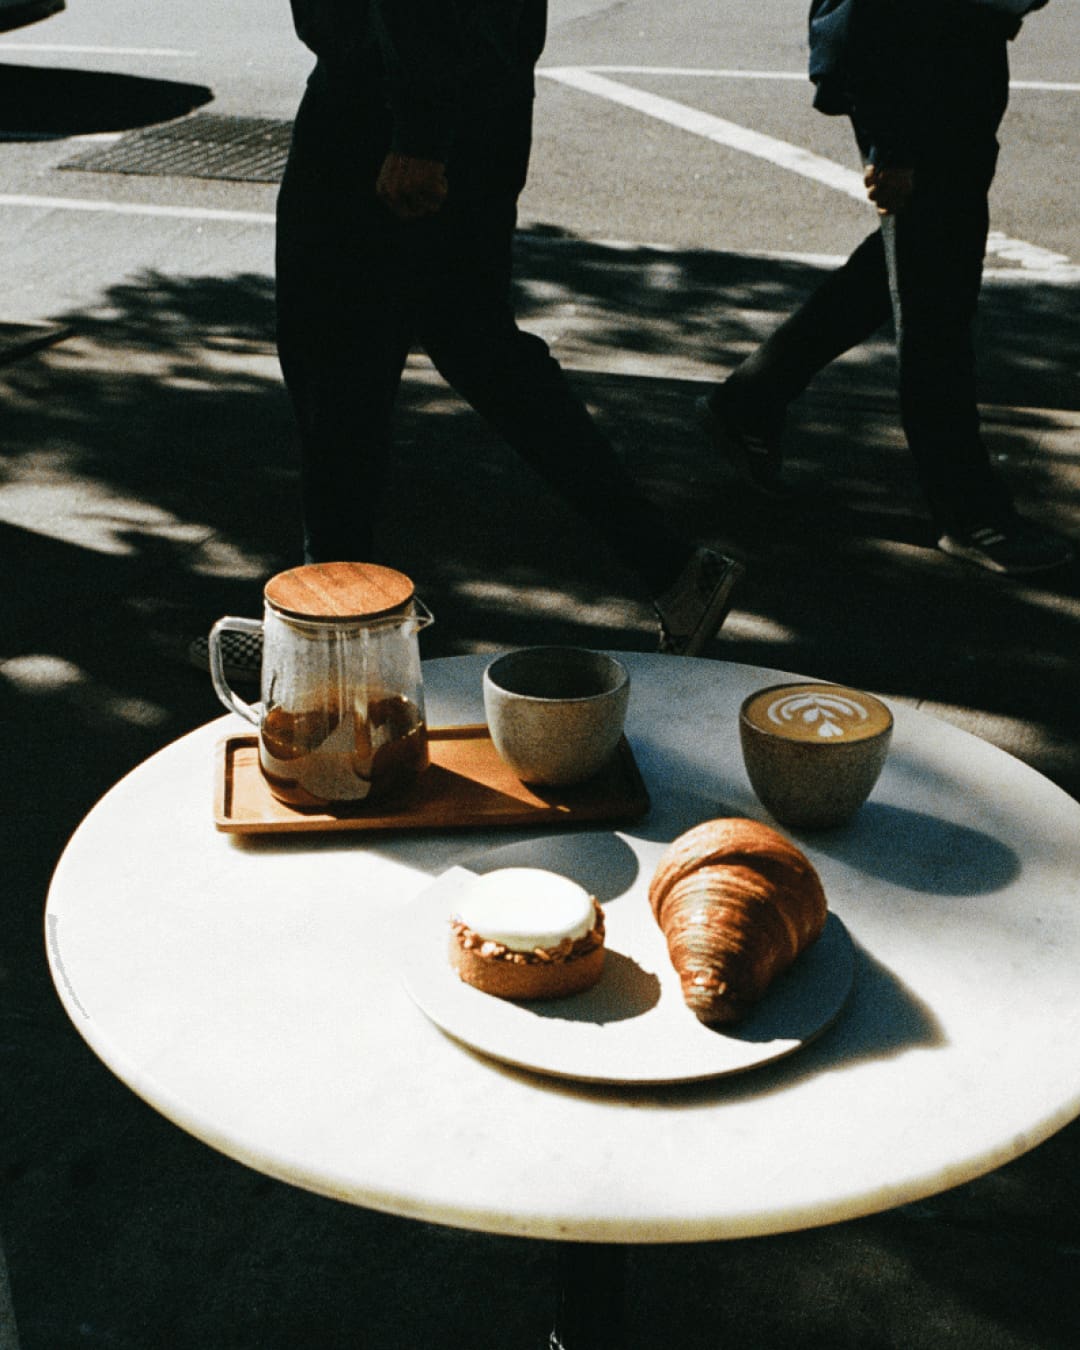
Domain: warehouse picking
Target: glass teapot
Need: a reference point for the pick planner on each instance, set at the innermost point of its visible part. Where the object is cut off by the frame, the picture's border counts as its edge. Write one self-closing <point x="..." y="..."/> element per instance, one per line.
<point x="342" y="715"/>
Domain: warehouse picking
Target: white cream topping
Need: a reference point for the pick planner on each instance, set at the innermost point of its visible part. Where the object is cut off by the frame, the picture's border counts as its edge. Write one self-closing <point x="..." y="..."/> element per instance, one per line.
<point x="525" y="907"/>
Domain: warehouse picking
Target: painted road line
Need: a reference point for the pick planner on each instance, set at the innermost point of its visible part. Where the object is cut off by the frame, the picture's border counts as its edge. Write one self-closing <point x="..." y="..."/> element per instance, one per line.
<point x="138" y="209"/>
<point x="1047" y="86"/>
<point x="70" y="49"/>
<point x="1031" y="257"/>
<point x="696" y="71"/>
<point x="1063" y="273"/>
<point x="798" y="76"/>
<point x="717" y="129"/>
<point x="780" y="153"/>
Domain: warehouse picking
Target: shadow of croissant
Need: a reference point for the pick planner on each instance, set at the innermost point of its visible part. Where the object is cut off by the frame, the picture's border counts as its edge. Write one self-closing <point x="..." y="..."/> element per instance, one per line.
<point x="882" y="1018"/>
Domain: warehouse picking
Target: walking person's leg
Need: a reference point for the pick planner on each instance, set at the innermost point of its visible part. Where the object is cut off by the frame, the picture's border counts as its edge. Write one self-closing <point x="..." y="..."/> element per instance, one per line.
<point x="341" y="358"/>
<point x="343" y="327"/>
<point x="745" y="416"/>
<point x="934" y="251"/>
<point x="509" y="376"/>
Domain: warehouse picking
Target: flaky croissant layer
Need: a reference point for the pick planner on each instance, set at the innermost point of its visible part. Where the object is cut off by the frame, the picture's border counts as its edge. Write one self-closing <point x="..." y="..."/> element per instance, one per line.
<point x="737" y="902"/>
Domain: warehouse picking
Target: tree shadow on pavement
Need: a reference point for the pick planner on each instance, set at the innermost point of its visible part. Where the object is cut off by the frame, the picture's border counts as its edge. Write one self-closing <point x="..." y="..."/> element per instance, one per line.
<point x="717" y="306"/>
<point x="148" y="484"/>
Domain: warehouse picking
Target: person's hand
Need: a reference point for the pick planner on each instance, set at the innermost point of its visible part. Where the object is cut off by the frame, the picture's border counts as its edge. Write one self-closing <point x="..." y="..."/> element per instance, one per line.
<point x="889" y="189"/>
<point x="411" y="187"/>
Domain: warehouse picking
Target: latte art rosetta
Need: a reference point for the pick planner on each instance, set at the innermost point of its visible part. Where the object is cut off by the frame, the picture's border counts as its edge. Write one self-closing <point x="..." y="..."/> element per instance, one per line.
<point x="817" y="713"/>
<point x="829" y="715"/>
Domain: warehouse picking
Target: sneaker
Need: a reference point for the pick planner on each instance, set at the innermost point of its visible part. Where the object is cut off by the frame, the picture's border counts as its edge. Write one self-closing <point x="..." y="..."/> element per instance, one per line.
<point x="754" y="454"/>
<point x="1014" y="547"/>
<point x="693" y="610"/>
<point x="241" y="656"/>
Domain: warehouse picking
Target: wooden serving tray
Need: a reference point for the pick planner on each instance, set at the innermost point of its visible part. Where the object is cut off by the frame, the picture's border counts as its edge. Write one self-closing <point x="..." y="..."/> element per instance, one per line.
<point x="467" y="784"/>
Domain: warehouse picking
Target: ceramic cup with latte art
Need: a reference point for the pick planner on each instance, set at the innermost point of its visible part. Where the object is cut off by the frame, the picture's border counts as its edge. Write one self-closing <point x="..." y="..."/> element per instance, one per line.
<point x="813" y="752"/>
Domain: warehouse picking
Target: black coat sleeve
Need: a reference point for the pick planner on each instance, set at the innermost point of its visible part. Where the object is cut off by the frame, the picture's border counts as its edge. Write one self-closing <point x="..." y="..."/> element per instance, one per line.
<point x="423" y="57"/>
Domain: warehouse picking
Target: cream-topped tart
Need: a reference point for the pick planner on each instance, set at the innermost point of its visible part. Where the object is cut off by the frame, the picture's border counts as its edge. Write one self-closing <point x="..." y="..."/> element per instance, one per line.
<point x="523" y="932"/>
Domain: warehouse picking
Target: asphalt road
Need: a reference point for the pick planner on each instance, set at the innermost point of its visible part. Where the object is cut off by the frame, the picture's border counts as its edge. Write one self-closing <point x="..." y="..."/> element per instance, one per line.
<point x="605" y="170"/>
<point x="601" y="169"/>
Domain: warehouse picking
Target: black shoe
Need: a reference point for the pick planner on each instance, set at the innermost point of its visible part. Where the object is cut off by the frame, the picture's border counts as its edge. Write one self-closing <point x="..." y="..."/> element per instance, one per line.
<point x="693" y="610"/>
<point x="1014" y="547"/>
<point x="753" y="452"/>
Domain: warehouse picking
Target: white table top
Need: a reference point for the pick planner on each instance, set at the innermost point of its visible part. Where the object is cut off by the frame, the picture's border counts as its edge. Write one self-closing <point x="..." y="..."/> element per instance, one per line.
<point x="250" y="990"/>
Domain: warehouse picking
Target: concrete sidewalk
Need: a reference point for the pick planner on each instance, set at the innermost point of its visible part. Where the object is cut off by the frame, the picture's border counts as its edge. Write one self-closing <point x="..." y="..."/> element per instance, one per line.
<point x="149" y="486"/>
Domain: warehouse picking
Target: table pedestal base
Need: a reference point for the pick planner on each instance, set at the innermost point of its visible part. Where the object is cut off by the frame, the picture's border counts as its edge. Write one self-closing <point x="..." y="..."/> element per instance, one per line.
<point x="590" y="1313"/>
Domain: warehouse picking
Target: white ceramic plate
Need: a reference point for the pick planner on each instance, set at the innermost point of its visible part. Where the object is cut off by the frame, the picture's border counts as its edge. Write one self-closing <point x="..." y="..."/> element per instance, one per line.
<point x="633" y="1026"/>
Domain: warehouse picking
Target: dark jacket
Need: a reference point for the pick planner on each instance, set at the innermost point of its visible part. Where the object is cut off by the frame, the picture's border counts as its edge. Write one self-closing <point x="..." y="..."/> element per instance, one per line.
<point x="441" y="66"/>
<point x="887" y="64"/>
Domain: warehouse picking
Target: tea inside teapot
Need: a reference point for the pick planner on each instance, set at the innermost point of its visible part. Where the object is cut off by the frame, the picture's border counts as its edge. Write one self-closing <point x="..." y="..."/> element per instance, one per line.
<point x="327" y="755"/>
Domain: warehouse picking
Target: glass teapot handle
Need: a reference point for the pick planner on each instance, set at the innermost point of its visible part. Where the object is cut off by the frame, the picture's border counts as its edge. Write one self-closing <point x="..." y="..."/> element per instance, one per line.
<point x="224" y="690"/>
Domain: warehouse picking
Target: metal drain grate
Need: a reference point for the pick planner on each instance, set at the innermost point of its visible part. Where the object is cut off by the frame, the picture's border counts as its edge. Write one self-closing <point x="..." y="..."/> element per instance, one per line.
<point x="241" y="149"/>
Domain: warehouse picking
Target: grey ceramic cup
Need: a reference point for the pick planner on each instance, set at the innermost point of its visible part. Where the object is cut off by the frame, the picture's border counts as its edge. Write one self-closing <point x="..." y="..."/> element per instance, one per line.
<point x="813" y="752"/>
<point x="556" y="714"/>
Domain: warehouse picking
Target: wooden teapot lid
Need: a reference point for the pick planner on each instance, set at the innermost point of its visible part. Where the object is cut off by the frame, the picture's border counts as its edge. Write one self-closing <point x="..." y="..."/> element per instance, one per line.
<point x="338" y="590"/>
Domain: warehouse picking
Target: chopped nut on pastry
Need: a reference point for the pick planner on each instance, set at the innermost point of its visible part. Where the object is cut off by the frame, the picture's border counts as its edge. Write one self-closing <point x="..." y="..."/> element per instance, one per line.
<point x="522" y="932"/>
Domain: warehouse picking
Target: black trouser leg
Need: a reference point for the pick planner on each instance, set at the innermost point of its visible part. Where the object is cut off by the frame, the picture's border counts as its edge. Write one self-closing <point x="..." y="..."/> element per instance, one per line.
<point x="516" y="385"/>
<point x="343" y="332"/>
<point x="511" y="379"/>
<point x="341" y="358"/>
<point x="934" y="250"/>
<point x="847" y="307"/>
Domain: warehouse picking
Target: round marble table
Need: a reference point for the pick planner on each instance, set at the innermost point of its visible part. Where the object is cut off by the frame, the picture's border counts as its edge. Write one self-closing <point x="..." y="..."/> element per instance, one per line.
<point x="250" y="989"/>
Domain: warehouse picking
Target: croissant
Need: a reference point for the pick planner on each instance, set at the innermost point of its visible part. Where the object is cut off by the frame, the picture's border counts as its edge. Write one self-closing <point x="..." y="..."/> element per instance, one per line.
<point x="737" y="902"/>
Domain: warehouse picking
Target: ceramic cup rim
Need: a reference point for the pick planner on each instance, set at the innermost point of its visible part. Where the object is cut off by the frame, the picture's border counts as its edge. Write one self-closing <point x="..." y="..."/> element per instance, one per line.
<point x="812" y="747"/>
<point x="619" y="675"/>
